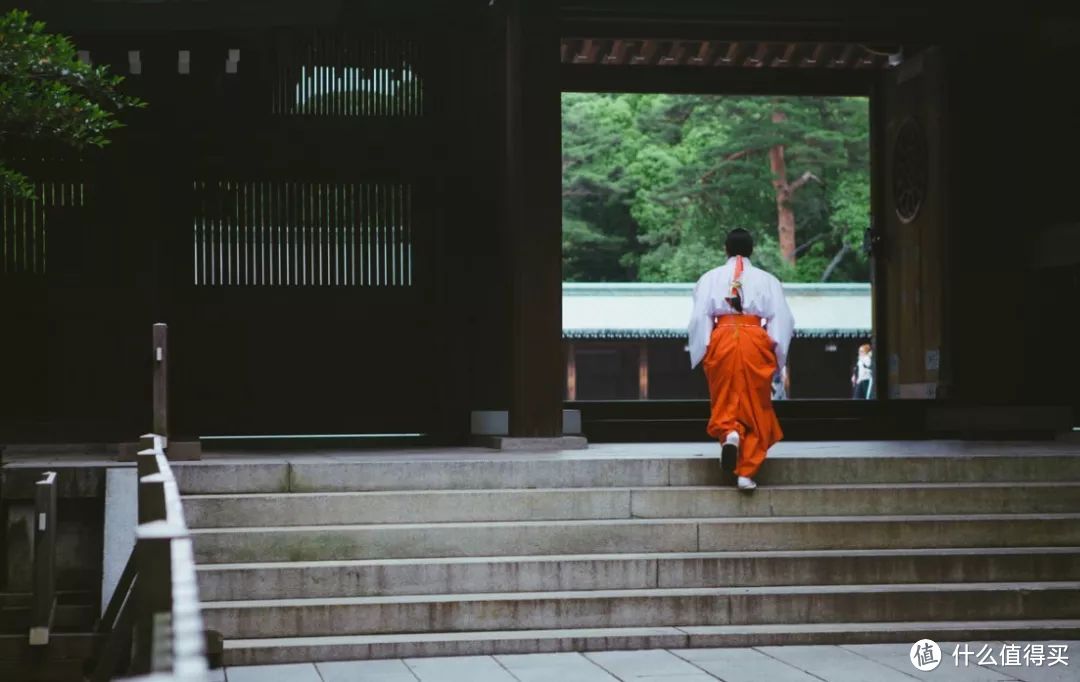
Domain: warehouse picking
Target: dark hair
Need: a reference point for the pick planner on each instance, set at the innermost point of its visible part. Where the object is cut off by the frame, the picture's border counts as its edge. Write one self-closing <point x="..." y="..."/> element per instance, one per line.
<point x="739" y="243"/>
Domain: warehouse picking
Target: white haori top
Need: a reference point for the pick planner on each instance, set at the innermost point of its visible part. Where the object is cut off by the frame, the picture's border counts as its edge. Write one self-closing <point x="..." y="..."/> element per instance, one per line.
<point x="762" y="295"/>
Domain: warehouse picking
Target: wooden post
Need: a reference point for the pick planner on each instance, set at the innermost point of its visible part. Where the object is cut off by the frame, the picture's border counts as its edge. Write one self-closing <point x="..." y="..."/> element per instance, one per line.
<point x="152" y="498"/>
<point x="571" y="372"/>
<point x="643" y="371"/>
<point x="879" y="276"/>
<point x="533" y="217"/>
<point x="161" y="383"/>
<point x="146" y="460"/>
<point x="153" y="588"/>
<point x="44" y="598"/>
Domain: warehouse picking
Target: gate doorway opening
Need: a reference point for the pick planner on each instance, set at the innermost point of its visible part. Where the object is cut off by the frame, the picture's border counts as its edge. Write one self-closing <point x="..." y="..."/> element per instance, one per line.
<point x="652" y="183"/>
<point x="830" y="153"/>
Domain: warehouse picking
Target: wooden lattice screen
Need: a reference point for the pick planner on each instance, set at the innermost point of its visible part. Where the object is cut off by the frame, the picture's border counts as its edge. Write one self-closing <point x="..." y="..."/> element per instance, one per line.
<point x="372" y="75"/>
<point x="281" y="233"/>
<point x="24" y="225"/>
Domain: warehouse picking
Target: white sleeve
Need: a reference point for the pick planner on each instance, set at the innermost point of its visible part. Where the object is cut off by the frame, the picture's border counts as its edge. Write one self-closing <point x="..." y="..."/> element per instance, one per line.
<point x="781" y="323"/>
<point x="700" y="328"/>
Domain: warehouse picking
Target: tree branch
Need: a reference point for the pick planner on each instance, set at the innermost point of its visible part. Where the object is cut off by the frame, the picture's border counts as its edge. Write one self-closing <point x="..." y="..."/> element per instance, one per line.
<point x="844" y="248"/>
<point x="807" y="244"/>
<point x="734" y="156"/>
<point x="803" y="179"/>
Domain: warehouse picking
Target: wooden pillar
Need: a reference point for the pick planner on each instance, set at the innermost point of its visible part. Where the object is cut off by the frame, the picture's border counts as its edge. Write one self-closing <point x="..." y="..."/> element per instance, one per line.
<point x="533" y="217"/>
<point x="879" y="276"/>
<point x="43" y="598"/>
<point x="161" y="380"/>
<point x="571" y="372"/>
<point x="643" y="371"/>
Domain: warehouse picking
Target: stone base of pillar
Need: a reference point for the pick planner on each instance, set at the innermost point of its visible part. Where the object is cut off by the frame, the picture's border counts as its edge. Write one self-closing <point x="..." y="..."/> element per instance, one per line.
<point x="497" y="423"/>
<point x="512" y="444"/>
<point x="491" y="429"/>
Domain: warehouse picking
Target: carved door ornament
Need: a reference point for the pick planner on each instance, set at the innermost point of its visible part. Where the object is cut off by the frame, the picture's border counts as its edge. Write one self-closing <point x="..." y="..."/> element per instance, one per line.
<point x="909" y="170"/>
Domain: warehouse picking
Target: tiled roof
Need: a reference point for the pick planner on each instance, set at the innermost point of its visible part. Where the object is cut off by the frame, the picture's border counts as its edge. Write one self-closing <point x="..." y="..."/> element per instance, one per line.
<point x="651" y="311"/>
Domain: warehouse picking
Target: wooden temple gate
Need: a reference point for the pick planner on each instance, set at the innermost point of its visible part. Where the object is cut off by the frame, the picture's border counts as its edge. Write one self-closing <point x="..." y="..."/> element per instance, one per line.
<point x="278" y="203"/>
<point x="349" y="213"/>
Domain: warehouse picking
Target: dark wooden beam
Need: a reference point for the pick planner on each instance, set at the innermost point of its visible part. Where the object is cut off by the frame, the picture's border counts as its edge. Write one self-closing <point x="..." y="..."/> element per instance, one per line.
<point x="676" y="54"/>
<point x="590" y="49"/>
<point x="693" y="80"/>
<point x="815" y="57"/>
<point x="843" y="60"/>
<point x="617" y="55"/>
<point x="880" y="30"/>
<point x="868" y="60"/>
<point x="730" y="56"/>
<point x="705" y="54"/>
<point x="759" y="58"/>
<point x="788" y="57"/>
<point x="647" y="55"/>
<point x="79" y="16"/>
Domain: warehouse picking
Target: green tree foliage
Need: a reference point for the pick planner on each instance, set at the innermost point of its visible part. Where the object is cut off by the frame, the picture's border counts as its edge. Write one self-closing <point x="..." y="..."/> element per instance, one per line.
<point x="48" y="96"/>
<point x="652" y="183"/>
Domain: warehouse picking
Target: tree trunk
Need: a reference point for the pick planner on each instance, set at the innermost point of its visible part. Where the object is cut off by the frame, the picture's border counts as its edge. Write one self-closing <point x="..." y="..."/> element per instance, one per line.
<point x="785" y="215"/>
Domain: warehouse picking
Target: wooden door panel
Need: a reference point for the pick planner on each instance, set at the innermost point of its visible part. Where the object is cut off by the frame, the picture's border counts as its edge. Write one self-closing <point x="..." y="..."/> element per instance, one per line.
<point x="914" y="213"/>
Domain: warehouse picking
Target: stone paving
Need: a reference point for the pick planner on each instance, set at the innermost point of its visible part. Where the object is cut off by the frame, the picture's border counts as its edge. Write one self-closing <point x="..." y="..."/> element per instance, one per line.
<point x="847" y="663"/>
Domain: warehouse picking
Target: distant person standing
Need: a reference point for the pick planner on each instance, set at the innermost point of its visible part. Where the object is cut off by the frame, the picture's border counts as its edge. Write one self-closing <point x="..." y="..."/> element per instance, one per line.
<point x="862" y="378"/>
<point x="781" y="385"/>
<point x="741" y="328"/>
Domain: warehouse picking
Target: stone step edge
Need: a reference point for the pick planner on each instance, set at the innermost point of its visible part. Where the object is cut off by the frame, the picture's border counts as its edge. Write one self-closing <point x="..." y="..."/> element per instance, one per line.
<point x="357" y="647"/>
<point x="903" y="626"/>
<point x="364" y="494"/>
<point x="650" y="556"/>
<point x="710" y="452"/>
<point x="655" y="592"/>
<point x="277" y="475"/>
<point x="917" y="518"/>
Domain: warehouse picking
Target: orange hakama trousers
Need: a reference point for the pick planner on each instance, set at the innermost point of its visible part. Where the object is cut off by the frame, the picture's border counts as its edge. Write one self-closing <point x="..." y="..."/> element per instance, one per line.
<point x="739" y="365"/>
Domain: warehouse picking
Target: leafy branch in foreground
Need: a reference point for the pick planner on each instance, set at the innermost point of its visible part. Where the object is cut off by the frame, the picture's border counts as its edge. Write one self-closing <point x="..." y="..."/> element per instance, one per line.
<point x="48" y="95"/>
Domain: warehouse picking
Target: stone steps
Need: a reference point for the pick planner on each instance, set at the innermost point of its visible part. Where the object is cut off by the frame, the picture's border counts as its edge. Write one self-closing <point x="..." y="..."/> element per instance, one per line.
<point x="476" y="643"/>
<point x="644" y="608"/>
<point x="307" y="474"/>
<point x="318" y="558"/>
<point x="523" y="538"/>
<point x="315" y="509"/>
<point x="330" y="579"/>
